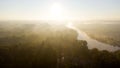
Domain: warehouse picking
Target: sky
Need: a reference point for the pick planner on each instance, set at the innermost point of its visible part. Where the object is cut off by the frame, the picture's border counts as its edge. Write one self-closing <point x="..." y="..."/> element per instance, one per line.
<point x="50" y="9"/>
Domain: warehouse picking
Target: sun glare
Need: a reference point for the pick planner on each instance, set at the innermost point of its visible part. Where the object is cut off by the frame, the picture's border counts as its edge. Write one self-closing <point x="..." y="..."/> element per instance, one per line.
<point x="56" y="12"/>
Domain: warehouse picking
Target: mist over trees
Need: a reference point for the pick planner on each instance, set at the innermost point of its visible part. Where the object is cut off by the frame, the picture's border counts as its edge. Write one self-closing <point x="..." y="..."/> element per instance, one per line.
<point x="49" y="47"/>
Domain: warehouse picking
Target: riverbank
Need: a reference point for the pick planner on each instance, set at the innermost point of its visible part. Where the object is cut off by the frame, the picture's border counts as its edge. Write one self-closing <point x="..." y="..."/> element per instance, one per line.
<point x="92" y="43"/>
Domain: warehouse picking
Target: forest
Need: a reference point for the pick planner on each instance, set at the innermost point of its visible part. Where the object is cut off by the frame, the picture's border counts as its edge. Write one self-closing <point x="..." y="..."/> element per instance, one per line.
<point x="49" y="46"/>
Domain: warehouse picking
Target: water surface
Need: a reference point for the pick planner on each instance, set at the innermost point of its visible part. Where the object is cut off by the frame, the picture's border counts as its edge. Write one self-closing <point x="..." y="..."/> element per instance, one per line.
<point x="92" y="43"/>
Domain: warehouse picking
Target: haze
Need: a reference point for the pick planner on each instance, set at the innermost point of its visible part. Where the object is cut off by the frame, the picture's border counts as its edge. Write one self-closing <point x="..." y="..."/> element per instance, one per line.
<point x="64" y="10"/>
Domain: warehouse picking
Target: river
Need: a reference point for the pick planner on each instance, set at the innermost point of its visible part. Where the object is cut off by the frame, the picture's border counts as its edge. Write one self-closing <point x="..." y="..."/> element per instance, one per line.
<point x="92" y="43"/>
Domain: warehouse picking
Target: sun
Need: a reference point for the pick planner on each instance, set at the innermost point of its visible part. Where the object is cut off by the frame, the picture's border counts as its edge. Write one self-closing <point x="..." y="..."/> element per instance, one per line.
<point x="56" y="12"/>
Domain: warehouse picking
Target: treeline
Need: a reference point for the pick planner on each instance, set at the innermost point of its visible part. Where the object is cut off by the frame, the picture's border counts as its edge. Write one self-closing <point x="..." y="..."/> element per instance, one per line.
<point x="45" y="55"/>
<point x="106" y="33"/>
<point x="50" y="47"/>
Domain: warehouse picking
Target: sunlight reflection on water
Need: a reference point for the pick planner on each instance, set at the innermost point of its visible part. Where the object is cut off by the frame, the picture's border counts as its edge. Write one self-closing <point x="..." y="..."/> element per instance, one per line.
<point x="91" y="42"/>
